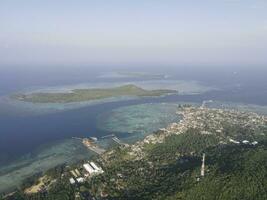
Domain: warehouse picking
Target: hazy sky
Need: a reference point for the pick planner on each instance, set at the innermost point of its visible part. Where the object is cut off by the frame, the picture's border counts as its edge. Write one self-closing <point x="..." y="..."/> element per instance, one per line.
<point x="73" y="32"/>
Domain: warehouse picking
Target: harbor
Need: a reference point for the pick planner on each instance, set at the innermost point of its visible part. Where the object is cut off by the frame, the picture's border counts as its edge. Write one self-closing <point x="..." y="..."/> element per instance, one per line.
<point x="91" y="145"/>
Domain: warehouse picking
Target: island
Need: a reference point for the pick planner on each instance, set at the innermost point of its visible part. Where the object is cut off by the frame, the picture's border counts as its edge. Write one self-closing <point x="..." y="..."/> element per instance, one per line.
<point x="141" y="75"/>
<point x="80" y="95"/>
<point x="134" y="75"/>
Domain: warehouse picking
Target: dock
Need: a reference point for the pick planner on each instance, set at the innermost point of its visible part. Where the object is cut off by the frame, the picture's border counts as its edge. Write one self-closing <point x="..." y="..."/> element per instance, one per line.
<point x="107" y="136"/>
<point x="118" y="141"/>
<point x="96" y="149"/>
<point x="90" y="144"/>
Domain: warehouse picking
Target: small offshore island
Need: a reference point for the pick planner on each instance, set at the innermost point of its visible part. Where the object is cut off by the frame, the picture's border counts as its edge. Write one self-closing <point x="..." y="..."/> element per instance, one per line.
<point x="79" y="95"/>
<point x="126" y="74"/>
<point x="209" y="154"/>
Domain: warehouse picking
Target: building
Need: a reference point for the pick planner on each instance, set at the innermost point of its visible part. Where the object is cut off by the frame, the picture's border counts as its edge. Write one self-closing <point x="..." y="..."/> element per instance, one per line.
<point x="92" y="168"/>
<point x="72" y="181"/>
<point x="77" y="172"/>
<point x="80" y="180"/>
<point x="73" y="173"/>
<point x="245" y="141"/>
<point x="234" y="141"/>
<point x="89" y="168"/>
<point x="98" y="169"/>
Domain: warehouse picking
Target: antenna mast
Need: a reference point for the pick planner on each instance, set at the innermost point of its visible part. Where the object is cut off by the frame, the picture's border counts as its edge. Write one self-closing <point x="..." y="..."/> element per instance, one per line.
<point x="202" y="173"/>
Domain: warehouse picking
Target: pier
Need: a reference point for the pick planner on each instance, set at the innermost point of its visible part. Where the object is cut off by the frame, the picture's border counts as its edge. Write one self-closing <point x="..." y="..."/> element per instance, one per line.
<point x="115" y="139"/>
<point x="118" y="141"/>
<point x="107" y="136"/>
<point x="96" y="149"/>
<point x="91" y="145"/>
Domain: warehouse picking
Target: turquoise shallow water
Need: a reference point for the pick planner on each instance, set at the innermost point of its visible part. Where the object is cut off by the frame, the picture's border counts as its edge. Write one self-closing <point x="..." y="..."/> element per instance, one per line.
<point x="138" y="121"/>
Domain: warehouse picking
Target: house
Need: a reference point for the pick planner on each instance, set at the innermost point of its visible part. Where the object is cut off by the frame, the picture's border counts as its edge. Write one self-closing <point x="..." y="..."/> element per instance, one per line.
<point x="80" y="180"/>
<point x="234" y="141"/>
<point x="73" y="173"/>
<point x="77" y="172"/>
<point x="89" y="168"/>
<point x="97" y="169"/>
<point x="72" y="181"/>
<point x="245" y="141"/>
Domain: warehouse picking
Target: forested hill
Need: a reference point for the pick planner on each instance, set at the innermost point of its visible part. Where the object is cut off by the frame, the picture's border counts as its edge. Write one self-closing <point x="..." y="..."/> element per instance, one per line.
<point x="171" y="170"/>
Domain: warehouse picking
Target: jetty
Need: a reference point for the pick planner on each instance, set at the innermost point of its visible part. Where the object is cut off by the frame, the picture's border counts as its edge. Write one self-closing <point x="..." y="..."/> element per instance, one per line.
<point x="107" y="136"/>
<point x="91" y="145"/>
<point x="115" y="139"/>
<point x="118" y="141"/>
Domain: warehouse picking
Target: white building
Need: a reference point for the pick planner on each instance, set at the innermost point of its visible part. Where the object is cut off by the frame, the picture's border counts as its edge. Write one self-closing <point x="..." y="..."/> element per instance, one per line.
<point x="98" y="169"/>
<point x="245" y="141"/>
<point x="72" y="181"/>
<point x="80" y="180"/>
<point x="89" y="168"/>
<point x="234" y="141"/>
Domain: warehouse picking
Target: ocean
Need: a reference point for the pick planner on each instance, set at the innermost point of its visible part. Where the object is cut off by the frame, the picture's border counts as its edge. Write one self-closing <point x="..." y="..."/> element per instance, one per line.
<point x="28" y="139"/>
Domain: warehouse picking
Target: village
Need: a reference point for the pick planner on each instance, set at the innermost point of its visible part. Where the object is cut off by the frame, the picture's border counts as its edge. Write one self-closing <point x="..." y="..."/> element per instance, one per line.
<point x="209" y="121"/>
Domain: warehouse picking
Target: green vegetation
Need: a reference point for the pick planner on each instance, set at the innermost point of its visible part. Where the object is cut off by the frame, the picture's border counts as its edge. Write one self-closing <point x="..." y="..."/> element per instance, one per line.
<point x="79" y="95"/>
<point x="165" y="169"/>
<point x="170" y="171"/>
<point x="189" y="143"/>
<point x="235" y="173"/>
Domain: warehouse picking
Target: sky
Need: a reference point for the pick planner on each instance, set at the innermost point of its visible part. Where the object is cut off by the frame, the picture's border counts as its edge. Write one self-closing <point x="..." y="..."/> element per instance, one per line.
<point x="38" y="33"/>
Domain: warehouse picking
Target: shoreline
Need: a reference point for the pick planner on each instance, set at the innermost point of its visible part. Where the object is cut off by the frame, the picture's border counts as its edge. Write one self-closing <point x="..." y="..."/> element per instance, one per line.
<point x="191" y="119"/>
<point x="148" y="136"/>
